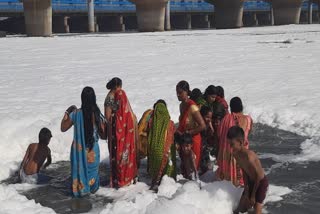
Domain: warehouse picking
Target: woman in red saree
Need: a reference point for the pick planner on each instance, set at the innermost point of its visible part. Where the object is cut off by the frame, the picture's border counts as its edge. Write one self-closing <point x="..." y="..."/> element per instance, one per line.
<point x="122" y="135"/>
<point x="188" y="134"/>
<point x="227" y="165"/>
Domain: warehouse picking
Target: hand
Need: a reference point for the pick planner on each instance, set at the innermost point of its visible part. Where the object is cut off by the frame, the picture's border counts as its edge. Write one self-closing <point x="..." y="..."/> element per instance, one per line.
<point x="71" y="109"/>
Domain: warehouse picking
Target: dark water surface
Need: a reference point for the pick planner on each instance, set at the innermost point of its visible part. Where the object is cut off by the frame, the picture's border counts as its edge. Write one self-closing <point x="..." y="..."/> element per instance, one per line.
<point x="302" y="178"/>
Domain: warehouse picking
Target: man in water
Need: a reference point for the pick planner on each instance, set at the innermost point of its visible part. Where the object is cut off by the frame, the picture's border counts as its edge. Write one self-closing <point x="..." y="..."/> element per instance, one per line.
<point x="34" y="158"/>
<point x="256" y="183"/>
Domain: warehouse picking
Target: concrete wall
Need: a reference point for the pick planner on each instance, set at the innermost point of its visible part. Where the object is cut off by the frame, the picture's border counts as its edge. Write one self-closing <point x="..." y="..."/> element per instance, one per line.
<point x="286" y="11"/>
<point x="228" y="13"/>
<point x="150" y="14"/>
<point x="38" y="17"/>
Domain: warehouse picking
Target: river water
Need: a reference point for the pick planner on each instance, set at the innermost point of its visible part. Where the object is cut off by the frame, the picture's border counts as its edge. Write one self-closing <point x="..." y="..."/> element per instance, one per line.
<point x="301" y="177"/>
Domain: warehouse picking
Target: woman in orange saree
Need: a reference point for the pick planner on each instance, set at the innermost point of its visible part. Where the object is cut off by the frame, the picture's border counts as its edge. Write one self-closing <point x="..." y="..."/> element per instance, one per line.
<point x="122" y="135"/>
<point x="188" y="134"/>
<point x="227" y="165"/>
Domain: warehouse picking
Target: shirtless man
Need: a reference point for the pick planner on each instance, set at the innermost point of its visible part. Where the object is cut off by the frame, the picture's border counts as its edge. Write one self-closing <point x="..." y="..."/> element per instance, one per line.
<point x="256" y="183"/>
<point x="34" y="158"/>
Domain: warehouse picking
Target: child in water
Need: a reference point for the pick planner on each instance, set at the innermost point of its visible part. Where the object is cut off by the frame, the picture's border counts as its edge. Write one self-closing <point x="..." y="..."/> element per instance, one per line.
<point x="34" y="158"/>
<point x="255" y="182"/>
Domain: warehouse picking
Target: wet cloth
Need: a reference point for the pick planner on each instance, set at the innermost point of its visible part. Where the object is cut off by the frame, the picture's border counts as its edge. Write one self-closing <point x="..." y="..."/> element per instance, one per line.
<point x="84" y="162"/>
<point x="122" y="142"/>
<point x="161" y="152"/>
<point x="227" y="165"/>
<point x="262" y="189"/>
<point x="142" y="131"/>
<point x="30" y="179"/>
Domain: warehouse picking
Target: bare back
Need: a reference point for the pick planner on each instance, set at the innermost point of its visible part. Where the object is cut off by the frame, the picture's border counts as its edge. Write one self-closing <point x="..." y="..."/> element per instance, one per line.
<point x="36" y="155"/>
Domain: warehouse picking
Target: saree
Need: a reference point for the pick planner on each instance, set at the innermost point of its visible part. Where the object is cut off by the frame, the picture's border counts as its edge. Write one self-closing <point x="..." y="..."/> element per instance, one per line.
<point x="161" y="152"/>
<point x="84" y="162"/>
<point x="186" y="122"/>
<point x="124" y="138"/>
<point x="228" y="169"/>
<point x="142" y="146"/>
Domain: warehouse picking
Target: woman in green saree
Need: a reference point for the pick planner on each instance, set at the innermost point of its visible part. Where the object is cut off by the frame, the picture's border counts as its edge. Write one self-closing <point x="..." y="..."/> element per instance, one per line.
<point x="161" y="151"/>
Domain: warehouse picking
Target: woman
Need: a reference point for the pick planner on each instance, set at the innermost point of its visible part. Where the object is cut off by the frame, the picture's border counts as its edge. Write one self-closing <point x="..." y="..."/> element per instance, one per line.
<point x="161" y="152"/>
<point x="188" y="134"/>
<point x="211" y="97"/>
<point x="228" y="168"/>
<point x="122" y="135"/>
<point x="88" y="124"/>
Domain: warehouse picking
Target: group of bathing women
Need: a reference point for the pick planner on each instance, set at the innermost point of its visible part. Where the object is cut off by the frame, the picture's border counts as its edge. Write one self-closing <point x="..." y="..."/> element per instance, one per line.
<point x="203" y="125"/>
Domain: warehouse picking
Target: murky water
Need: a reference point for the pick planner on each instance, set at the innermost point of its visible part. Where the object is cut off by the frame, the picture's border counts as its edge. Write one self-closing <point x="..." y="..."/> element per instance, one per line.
<point x="302" y="178"/>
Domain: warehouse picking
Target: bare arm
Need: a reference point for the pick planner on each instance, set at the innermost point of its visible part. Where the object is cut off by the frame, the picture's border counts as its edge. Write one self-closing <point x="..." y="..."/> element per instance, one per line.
<point x="108" y="116"/>
<point x="246" y="184"/>
<point x="201" y="125"/>
<point x="66" y="123"/>
<point x="254" y="164"/>
<point x="49" y="159"/>
<point x="102" y="130"/>
<point x="108" y="113"/>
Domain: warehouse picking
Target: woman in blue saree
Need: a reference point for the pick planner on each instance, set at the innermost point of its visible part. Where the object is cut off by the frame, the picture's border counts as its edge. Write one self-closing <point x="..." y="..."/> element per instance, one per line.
<point x="89" y="125"/>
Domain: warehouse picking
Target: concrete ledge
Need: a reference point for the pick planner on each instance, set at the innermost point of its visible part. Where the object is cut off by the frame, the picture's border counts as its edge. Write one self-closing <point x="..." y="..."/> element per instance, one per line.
<point x="228" y="13"/>
<point x="150" y="14"/>
<point x="286" y="11"/>
<point x="38" y="17"/>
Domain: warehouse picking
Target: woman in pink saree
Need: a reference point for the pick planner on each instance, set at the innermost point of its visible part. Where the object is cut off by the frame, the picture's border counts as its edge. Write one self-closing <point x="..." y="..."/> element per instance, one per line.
<point x="227" y="165"/>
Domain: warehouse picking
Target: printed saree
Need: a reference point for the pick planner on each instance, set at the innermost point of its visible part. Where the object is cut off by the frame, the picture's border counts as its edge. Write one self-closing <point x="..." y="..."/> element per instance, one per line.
<point x="84" y="162"/>
<point x="124" y="137"/>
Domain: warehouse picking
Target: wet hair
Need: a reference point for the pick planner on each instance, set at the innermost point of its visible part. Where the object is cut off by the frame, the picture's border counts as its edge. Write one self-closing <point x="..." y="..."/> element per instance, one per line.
<point x="89" y="107"/>
<point x="45" y="136"/>
<point x="211" y="90"/>
<point x="235" y="132"/>
<point x="159" y="101"/>
<point x="184" y="86"/>
<point x="205" y="110"/>
<point x="195" y="94"/>
<point x="220" y="91"/>
<point x="236" y="105"/>
<point x="114" y="83"/>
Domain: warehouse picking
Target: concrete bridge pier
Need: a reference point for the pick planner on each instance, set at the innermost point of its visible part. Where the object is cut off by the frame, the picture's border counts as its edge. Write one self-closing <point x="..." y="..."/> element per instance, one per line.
<point x="286" y="11"/>
<point x="38" y="17"/>
<point x="228" y="13"/>
<point x="150" y="14"/>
